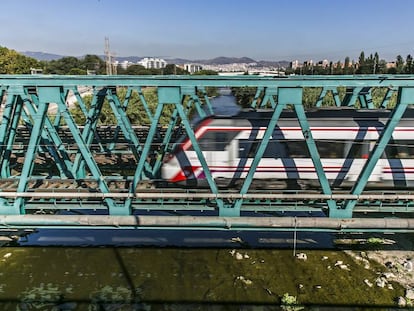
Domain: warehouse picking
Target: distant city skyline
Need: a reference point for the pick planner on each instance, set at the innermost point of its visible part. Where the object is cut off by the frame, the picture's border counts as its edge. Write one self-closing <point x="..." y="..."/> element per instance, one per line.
<point x="262" y="29"/>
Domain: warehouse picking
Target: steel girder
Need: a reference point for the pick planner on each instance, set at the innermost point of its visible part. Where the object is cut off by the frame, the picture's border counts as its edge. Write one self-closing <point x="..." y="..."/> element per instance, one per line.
<point x="27" y="101"/>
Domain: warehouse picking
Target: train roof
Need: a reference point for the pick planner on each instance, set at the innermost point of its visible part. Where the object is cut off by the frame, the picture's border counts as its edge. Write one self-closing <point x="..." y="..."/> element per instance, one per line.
<point x="328" y="117"/>
<point x="322" y="113"/>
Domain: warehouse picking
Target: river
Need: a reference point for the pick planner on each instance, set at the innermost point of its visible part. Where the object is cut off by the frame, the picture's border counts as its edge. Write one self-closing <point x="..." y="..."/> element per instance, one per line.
<point x="225" y="104"/>
<point x="185" y="270"/>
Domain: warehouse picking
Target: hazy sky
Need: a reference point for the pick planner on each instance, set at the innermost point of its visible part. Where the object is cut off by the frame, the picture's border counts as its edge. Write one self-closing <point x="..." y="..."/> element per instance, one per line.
<point x="198" y="29"/>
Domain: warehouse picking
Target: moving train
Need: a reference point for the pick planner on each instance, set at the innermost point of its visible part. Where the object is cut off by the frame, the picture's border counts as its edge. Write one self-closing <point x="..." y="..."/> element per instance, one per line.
<point x="344" y="138"/>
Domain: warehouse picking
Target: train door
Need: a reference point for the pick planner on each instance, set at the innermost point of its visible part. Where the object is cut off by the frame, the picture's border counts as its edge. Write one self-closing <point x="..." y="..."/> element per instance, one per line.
<point x="398" y="160"/>
<point x="376" y="174"/>
<point x="217" y="150"/>
<point x="356" y="153"/>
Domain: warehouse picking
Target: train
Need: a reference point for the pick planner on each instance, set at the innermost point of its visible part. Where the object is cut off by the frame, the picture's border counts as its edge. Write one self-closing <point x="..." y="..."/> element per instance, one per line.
<point x="344" y="138"/>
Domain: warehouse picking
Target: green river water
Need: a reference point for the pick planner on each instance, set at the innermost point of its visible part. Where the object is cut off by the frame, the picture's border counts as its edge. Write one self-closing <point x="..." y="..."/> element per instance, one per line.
<point x="162" y="278"/>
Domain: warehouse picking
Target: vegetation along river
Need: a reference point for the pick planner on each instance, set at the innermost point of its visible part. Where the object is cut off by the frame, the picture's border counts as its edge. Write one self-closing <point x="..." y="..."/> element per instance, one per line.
<point x="231" y="271"/>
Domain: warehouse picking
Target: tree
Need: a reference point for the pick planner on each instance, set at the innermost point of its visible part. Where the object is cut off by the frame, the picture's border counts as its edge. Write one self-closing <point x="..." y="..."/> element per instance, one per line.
<point x="392" y="71"/>
<point x="244" y="95"/>
<point x="347" y="66"/>
<point x="135" y="110"/>
<point x="77" y="72"/>
<point x="399" y="64"/>
<point x="368" y="65"/>
<point x="337" y="68"/>
<point x="172" y="69"/>
<point x="375" y="65"/>
<point x="63" y="65"/>
<point x="12" y="62"/>
<point x="93" y="63"/>
<point x="409" y="68"/>
<point x="382" y="66"/>
<point x="361" y="62"/>
<point x="136" y="70"/>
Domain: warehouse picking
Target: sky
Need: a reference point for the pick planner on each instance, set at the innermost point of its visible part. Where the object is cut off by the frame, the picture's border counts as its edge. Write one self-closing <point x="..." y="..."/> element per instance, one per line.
<point x="202" y="29"/>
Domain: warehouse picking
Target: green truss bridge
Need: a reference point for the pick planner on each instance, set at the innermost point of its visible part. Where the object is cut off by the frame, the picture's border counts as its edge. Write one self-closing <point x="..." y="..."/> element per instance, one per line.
<point x="57" y="171"/>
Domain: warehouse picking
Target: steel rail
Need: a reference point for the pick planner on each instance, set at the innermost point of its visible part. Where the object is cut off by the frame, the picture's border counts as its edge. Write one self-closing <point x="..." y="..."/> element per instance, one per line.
<point x="184" y="195"/>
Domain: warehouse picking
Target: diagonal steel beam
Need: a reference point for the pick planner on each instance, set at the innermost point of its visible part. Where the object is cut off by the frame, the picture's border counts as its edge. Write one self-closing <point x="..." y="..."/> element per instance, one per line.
<point x="405" y="98"/>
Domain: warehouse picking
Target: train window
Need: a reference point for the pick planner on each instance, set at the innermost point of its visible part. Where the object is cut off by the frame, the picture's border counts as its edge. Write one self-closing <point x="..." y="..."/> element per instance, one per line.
<point x="215" y="140"/>
<point x="330" y="149"/>
<point x="357" y="149"/>
<point x="400" y="149"/>
<point x="207" y="142"/>
<point x="275" y="149"/>
<point x="221" y="141"/>
<point x="297" y="149"/>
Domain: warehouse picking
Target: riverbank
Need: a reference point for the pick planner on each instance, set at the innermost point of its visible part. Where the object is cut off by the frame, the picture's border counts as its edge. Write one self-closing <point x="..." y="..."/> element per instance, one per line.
<point x="395" y="255"/>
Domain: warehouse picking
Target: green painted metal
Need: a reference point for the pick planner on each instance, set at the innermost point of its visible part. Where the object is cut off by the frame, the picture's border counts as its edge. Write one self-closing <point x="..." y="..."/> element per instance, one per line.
<point x="164" y="149"/>
<point x="207" y="103"/>
<point x="39" y="119"/>
<point x="256" y="98"/>
<point x="351" y="96"/>
<point x="172" y="95"/>
<point x="324" y="92"/>
<point x="211" y="81"/>
<point x="269" y="97"/>
<point x="235" y="211"/>
<point x="9" y="131"/>
<point x="49" y="136"/>
<point x="87" y="134"/>
<point x="53" y="94"/>
<point x="364" y="97"/>
<point x="124" y="123"/>
<point x="193" y="100"/>
<point x="405" y="98"/>
<point x="27" y="99"/>
<point x="294" y="95"/>
<point x="387" y="97"/>
<point x="80" y="100"/>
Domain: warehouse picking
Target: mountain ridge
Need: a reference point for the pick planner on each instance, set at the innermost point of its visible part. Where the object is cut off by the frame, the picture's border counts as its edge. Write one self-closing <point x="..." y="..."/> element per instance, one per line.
<point x="221" y="60"/>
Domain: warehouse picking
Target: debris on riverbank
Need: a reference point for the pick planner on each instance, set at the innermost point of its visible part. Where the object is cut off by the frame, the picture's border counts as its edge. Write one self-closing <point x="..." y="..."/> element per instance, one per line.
<point x="396" y="259"/>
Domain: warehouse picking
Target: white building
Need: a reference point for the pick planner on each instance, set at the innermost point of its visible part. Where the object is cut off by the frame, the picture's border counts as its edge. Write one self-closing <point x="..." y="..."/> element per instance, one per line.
<point x="192" y="68"/>
<point x="124" y="65"/>
<point x="36" y="71"/>
<point x="152" y="63"/>
<point x="295" y="64"/>
<point x="308" y="63"/>
<point x="324" y="63"/>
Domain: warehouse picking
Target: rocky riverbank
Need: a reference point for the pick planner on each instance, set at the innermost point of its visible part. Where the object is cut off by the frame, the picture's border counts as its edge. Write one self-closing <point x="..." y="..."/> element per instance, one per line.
<point x="395" y="256"/>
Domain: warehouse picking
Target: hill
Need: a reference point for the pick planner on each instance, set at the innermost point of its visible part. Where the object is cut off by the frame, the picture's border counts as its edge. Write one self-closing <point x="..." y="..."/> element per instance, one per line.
<point x="42" y="56"/>
<point x="227" y="60"/>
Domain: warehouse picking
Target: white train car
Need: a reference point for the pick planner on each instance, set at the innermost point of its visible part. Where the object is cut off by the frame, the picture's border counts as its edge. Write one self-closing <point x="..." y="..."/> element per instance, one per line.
<point x="344" y="139"/>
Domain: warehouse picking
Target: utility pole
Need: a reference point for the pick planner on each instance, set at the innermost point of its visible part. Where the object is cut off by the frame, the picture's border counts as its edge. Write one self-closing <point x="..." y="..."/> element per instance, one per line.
<point x="108" y="59"/>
